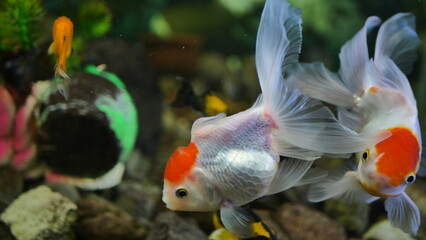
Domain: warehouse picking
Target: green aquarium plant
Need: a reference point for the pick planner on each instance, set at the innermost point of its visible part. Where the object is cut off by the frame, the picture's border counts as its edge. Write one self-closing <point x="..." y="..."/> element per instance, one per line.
<point x="94" y="18"/>
<point x="18" y="20"/>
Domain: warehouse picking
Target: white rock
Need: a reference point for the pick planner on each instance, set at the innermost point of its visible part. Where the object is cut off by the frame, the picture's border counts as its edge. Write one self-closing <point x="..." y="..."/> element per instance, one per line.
<point x="41" y="214"/>
<point x="384" y="231"/>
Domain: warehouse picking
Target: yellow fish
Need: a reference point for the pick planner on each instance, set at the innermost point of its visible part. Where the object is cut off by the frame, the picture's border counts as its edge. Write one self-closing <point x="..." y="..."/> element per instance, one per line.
<point x="206" y="103"/>
<point x="61" y="47"/>
<point x="259" y="228"/>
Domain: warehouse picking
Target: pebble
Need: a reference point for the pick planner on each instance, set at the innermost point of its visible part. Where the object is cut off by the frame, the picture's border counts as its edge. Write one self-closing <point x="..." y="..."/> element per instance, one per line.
<point x="41" y="214"/>
<point x="101" y="220"/>
<point x="169" y="226"/>
<point x="354" y="217"/>
<point x="304" y="223"/>
<point x="382" y="230"/>
<point x="139" y="198"/>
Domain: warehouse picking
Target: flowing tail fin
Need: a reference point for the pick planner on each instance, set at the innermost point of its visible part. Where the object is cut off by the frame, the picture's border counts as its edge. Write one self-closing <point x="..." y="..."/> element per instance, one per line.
<point x="306" y="128"/>
<point x="61" y="80"/>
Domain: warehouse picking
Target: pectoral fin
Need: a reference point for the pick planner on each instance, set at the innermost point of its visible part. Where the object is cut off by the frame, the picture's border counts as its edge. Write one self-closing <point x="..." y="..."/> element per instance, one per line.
<point x="238" y="221"/>
<point x="340" y="183"/>
<point x="51" y="47"/>
<point x="403" y="213"/>
<point x="289" y="174"/>
<point x="313" y="175"/>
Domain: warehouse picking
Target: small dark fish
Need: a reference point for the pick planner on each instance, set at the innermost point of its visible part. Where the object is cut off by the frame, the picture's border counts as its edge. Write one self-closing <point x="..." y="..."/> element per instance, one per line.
<point x="206" y="103"/>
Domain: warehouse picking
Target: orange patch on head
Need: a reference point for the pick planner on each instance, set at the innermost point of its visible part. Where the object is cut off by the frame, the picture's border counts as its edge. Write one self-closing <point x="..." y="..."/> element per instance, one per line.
<point x="180" y="163"/>
<point x="374" y="89"/>
<point x="400" y="155"/>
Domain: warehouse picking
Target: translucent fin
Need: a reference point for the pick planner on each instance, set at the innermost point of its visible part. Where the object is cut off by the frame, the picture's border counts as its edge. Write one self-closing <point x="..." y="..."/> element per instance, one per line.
<point x="60" y="71"/>
<point x="61" y="81"/>
<point x="403" y="213"/>
<point x="353" y="57"/>
<point x="398" y="40"/>
<point x="237" y="221"/>
<point x="277" y="46"/>
<point x="289" y="174"/>
<point x="205" y="125"/>
<point x="207" y="122"/>
<point x="340" y="183"/>
<point x="387" y="74"/>
<point x="289" y="150"/>
<point x="316" y="81"/>
<point x="293" y="25"/>
<point x="351" y="118"/>
<point x="313" y="175"/>
<point x="303" y="122"/>
<point x="308" y="124"/>
<point x="51" y="46"/>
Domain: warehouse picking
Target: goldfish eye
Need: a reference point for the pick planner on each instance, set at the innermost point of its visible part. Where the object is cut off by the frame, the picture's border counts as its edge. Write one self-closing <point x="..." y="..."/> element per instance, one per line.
<point x="410" y="179"/>
<point x="365" y="155"/>
<point x="181" y="193"/>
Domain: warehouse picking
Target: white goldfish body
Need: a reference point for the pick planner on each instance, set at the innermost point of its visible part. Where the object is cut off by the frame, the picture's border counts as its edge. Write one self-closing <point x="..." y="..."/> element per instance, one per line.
<point x="373" y="97"/>
<point x="234" y="160"/>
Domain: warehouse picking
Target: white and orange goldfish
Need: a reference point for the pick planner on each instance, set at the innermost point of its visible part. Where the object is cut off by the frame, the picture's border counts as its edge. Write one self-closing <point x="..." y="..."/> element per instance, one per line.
<point x="373" y="97"/>
<point x="234" y="160"/>
<point x="61" y="47"/>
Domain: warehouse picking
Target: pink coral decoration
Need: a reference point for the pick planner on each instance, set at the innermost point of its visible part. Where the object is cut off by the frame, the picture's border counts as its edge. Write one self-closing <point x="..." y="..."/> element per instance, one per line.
<point x="23" y="144"/>
<point x="7" y="116"/>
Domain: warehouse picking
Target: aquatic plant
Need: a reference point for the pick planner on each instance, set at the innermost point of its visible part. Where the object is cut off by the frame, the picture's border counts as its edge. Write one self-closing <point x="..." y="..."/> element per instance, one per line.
<point x="240" y="7"/>
<point x="18" y="19"/>
<point x="321" y="18"/>
<point x="94" y="18"/>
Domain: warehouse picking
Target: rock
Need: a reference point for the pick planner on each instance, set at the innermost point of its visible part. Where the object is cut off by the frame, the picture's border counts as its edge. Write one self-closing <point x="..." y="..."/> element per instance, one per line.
<point x="41" y="214"/>
<point x="384" y="231"/>
<point x="301" y="222"/>
<point x="99" y="219"/>
<point x="169" y="226"/>
<point x="138" y="165"/>
<point x="354" y="217"/>
<point x="139" y="198"/>
<point x="66" y="190"/>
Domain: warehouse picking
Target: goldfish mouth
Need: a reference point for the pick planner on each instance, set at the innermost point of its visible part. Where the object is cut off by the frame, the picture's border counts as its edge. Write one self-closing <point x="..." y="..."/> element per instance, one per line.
<point x="168" y="206"/>
<point x="374" y="190"/>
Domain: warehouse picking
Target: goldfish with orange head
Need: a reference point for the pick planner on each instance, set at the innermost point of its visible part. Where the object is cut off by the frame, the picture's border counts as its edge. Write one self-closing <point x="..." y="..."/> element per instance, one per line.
<point x="233" y="160"/>
<point x="374" y="98"/>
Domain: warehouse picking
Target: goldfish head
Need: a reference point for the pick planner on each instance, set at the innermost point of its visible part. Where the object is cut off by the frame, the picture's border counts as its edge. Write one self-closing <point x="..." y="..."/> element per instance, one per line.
<point x="186" y="187"/>
<point x="390" y="166"/>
